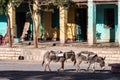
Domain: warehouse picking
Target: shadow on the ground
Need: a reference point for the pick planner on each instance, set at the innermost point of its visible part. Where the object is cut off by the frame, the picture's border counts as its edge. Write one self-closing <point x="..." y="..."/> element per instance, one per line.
<point x="66" y="75"/>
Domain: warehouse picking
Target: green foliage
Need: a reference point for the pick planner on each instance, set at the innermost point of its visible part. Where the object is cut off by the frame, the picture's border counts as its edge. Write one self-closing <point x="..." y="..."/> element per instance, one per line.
<point x="56" y="2"/>
<point x="17" y="2"/>
<point x="46" y="4"/>
<point x="63" y="2"/>
<point x="3" y="6"/>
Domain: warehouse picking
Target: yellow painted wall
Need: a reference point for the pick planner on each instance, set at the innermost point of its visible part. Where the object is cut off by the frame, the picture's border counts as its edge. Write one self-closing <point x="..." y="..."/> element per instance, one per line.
<point x="48" y="31"/>
<point x="70" y="31"/>
<point x="71" y="24"/>
<point x="70" y="28"/>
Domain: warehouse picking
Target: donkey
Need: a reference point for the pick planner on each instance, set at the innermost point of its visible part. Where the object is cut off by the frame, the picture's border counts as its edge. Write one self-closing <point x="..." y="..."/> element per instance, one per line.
<point x="90" y="58"/>
<point x="57" y="56"/>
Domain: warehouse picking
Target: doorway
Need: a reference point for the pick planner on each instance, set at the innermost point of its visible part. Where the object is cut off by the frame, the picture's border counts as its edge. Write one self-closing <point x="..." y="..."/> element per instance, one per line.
<point x="81" y="23"/>
<point x="20" y="21"/>
<point x="109" y="20"/>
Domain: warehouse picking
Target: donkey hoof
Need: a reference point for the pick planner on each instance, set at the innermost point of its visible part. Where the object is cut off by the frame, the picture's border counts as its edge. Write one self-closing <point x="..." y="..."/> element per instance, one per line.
<point x="58" y="70"/>
<point x="87" y="70"/>
<point x="78" y="70"/>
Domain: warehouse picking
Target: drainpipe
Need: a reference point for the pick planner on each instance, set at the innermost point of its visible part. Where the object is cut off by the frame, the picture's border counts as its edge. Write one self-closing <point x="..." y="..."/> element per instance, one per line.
<point x="91" y="22"/>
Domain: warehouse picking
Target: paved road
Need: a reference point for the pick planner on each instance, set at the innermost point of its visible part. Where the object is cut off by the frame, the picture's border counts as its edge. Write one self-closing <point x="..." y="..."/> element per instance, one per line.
<point x="23" y="70"/>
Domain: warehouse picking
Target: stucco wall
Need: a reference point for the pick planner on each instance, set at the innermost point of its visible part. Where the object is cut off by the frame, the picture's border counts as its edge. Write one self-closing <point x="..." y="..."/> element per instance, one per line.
<point x="100" y="27"/>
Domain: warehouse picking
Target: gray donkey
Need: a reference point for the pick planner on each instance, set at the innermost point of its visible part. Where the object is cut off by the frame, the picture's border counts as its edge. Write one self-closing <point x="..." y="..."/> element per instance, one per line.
<point x="57" y="56"/>
<point x="90" y="58"/>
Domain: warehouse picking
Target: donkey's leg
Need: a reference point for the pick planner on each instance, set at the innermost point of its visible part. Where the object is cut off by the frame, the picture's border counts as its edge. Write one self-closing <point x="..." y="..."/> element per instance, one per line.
<point x="48" y="65"/>
<point x="62" y="66"/>
<point x="89" y="66"/>
<point x="93" y="67"/>
<point x="45" y="67"/>
<point x="78" y="65"/>
<point x="47" y="62"/>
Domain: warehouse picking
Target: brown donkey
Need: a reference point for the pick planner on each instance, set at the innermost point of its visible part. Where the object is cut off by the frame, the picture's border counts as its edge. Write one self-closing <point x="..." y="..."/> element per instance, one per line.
<point x="57" y="56"/>
<point x="90" y="58"/>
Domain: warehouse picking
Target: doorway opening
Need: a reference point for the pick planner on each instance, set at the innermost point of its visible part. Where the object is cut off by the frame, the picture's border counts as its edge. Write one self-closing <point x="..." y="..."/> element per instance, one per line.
<point x="81" y="23"/>
<point x="109" y="20"/>
<point x="20" y="21"/>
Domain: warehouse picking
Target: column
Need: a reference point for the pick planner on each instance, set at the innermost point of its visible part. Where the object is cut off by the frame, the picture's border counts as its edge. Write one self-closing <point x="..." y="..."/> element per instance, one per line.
<point x="91" y="22"/>
<point x="63" y="24"/>
<point x="119" y="22"/>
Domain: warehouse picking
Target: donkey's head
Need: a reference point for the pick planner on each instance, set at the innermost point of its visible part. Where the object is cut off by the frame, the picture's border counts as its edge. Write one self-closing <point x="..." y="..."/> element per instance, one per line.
<point x="101" y="61"/>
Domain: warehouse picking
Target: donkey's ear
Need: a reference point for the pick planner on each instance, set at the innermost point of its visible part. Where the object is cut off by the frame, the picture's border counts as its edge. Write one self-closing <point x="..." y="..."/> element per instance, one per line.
<point x="104" y="58"/>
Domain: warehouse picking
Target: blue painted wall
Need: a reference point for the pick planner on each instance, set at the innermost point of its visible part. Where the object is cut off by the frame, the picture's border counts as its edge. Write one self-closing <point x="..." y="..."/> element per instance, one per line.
<point x="3" y="24"/>
<point x="102" y="32"/>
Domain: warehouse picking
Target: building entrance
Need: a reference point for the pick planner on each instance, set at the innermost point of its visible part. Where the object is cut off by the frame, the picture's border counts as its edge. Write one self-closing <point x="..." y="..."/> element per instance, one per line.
<point x="81" y="23"/>
<point x="20" y="21"/>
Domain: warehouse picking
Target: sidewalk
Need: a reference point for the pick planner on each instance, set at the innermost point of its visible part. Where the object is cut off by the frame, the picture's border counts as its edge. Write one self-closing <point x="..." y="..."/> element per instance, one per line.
<point x="109" y="50"/>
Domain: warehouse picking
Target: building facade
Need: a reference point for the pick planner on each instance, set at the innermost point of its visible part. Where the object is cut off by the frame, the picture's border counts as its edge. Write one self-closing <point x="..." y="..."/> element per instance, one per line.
<point x="92" y="21"/>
